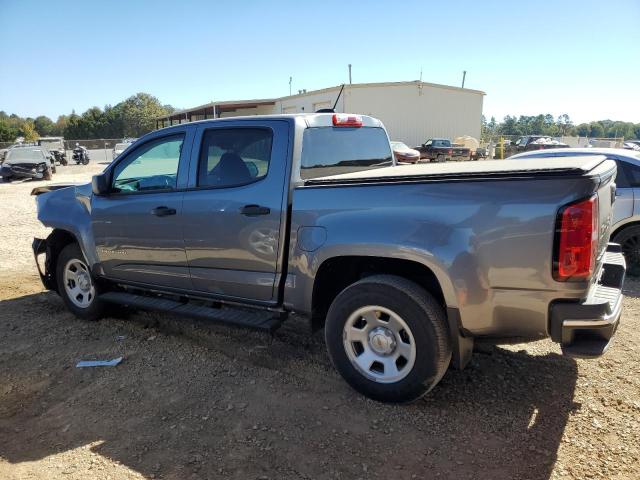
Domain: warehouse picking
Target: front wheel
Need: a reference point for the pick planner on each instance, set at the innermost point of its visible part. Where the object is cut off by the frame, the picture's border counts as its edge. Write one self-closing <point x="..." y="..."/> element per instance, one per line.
<point x="629" y="240"/>
<point x="76" y="286"/>
<point x="388" y="338"/>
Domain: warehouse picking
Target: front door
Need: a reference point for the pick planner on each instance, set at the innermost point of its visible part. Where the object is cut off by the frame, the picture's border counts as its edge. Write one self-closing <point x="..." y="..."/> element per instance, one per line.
<point x="137" y="227"/>
<point x="234" y="207"/>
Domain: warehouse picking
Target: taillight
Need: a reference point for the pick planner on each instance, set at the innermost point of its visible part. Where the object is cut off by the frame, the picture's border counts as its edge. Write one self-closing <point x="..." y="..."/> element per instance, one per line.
<point x="450" y="152"/>
<point x="576" y="241"/>
<point x="346" y="120"/>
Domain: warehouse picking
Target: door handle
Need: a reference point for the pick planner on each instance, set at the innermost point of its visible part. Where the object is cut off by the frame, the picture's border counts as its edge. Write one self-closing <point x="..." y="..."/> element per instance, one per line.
<point x="254" y="210"/>
<point x="163" y="211"/>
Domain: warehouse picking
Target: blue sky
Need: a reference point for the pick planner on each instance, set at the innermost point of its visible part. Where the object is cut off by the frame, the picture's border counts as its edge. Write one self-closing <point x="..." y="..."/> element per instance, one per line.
<point x="575" y="57"/>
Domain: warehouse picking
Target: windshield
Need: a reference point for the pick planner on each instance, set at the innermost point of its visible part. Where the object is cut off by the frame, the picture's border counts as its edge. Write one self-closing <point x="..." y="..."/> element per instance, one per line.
<point x="335" y="150"/>
<point x="398" y="146"/>
<point x="17" y="154"/>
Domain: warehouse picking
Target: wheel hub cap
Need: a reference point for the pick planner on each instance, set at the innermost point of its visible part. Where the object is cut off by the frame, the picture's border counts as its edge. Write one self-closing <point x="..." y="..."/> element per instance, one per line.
<point x="83" y="281"/>
<point x="382" y="341"/>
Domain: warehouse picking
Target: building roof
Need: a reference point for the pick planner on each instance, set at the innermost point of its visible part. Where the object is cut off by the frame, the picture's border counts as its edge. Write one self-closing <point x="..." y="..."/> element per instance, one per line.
<point x="231" y="105"/>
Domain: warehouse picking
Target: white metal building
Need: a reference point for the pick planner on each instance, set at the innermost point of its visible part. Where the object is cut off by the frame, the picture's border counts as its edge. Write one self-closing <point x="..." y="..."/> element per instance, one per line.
<point x="412" y="112"/>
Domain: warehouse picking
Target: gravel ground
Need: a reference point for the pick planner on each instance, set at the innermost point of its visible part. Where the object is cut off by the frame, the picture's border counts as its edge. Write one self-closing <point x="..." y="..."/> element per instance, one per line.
<point x="192" y="400"/>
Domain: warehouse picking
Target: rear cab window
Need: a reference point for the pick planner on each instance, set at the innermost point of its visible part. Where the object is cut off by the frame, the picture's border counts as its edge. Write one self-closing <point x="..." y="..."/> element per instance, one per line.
<point x="330" y="151"/>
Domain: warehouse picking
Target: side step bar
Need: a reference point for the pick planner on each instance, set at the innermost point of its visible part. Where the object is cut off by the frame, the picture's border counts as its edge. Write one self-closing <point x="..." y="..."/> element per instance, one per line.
<point x="259" y="320"/>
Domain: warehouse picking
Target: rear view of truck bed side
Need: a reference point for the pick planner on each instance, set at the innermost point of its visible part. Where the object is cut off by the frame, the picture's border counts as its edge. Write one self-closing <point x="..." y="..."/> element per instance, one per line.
<point x="486" y="246"/>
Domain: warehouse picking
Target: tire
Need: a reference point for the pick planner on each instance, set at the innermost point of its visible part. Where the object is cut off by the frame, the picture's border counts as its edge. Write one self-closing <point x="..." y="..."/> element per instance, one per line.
<point x="411" y="326"/>
<point x="53" y="169"/>
<point x="47" y="175"/>
<point x="5" y="179"/>
<point x="63" y="162"/>
<point x="629" y="239"/>
<point x="86" y="304"/>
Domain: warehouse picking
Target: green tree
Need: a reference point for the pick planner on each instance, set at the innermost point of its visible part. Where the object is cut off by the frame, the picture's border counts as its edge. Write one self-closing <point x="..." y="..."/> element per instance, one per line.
<point x="43" y="125"/>
<point x="139" y="113"/>
<point x="8" y="131"/>
<point x="28" y="131"/>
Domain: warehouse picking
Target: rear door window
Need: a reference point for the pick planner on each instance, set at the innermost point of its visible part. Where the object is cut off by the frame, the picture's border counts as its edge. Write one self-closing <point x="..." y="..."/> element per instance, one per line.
<point x="630" y="175"/>
<point x="230" y="157"/>
<point x="335" y="150"/>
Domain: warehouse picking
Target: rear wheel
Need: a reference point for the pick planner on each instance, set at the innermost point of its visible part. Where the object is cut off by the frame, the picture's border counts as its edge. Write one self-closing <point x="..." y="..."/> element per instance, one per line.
<point x="629" y="239"/>
<point x="5" y="179"/>
<point x="388" y="338"/>
<point x="75" y="284"/>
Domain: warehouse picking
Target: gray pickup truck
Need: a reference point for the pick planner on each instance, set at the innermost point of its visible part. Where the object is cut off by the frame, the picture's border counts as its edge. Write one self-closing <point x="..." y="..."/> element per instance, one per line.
<point x="250" y="220"/>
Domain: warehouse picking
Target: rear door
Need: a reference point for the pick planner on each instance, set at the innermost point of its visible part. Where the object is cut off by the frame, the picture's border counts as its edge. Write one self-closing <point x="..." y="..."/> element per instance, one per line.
<point x="235" y="207"/>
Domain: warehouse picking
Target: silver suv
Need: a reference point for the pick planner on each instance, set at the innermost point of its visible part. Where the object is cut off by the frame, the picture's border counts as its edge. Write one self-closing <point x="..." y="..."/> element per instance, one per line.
<point x="626" y="211"/>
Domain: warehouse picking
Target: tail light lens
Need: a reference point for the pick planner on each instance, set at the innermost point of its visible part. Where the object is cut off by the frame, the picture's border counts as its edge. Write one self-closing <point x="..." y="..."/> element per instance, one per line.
<point x="450" y="152"/>
<point x="577" y="241"/>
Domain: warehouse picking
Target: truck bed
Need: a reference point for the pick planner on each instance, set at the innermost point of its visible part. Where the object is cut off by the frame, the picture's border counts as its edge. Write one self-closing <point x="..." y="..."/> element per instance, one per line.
<point x="578" y="165"/>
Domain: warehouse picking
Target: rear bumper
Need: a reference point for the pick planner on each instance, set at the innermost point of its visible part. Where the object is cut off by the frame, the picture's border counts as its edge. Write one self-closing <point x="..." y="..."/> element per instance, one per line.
<point x="586" y="329"/>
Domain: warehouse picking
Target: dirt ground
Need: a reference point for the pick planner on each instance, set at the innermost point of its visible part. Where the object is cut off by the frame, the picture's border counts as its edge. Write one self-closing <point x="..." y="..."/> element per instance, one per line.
<point x="193" y="400"/>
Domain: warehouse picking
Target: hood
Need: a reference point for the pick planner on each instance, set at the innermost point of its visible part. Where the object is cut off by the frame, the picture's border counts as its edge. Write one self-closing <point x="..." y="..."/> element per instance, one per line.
<point x="50" y="188"/>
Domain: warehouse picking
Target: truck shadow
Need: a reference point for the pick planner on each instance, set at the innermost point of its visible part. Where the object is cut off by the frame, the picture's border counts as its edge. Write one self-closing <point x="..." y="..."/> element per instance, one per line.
<point x="193" y="399"/>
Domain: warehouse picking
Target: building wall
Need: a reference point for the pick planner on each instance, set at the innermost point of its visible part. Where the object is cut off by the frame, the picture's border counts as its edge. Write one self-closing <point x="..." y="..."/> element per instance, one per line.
<point x="308" y="102"/>
<point x="413" y="113"/>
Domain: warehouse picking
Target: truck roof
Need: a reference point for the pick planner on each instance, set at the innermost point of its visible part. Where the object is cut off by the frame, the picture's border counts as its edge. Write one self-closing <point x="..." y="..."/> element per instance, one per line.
<point x="553" y="165"/>
<point x="311" y="119"/>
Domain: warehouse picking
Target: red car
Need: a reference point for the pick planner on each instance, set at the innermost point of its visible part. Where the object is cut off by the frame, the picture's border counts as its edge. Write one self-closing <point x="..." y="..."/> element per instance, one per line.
<point x="404" y="154"/>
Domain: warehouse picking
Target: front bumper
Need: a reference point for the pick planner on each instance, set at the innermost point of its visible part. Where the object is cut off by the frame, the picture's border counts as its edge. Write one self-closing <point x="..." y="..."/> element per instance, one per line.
<point x="15" y="171"/>
<point x="40" y="247"/>
<point x="586" y="329"/>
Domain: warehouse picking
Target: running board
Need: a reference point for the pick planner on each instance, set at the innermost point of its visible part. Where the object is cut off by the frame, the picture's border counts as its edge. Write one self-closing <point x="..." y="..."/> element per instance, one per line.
<point x="259" y="320"/>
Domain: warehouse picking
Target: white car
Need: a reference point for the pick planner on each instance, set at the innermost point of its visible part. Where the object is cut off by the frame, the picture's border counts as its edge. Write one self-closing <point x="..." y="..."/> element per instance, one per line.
<point x="626" y="209"/>
<point x="119" y="148"/>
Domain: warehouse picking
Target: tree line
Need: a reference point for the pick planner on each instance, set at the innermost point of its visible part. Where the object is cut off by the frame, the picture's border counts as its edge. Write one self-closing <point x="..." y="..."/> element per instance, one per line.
<point x="557" y="127"/>
<point x="132" y="117"/>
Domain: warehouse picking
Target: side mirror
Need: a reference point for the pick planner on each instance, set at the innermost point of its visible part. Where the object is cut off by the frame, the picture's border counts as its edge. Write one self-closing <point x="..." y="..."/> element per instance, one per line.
<point x="100" y="184"/>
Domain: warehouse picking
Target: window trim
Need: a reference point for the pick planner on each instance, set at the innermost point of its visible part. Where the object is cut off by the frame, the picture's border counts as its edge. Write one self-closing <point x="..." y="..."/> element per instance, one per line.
<point x="197" y="187"/>
<point x="125" y="157"/>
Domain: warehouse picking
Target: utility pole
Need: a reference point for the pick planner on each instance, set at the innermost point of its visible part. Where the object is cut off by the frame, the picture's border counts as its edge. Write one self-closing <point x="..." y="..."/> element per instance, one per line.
<point x="464" y="75"/>
<point x="349" y="74"/>
<point x="290" y="80"/>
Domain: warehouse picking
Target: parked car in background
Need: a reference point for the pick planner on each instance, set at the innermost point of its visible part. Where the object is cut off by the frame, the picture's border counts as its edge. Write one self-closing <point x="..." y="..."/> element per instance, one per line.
<point x="537" y="142"/>
<point x="632" y="145"/>
<point x="261" y="217"/>
<point x="441" y="150"/>
<point x="55" y="145"/>
<point x="404" y="154"/>
<point x="119" y="148"/>
<point x="626" y="209"/>
<point x="26" y="162"/>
